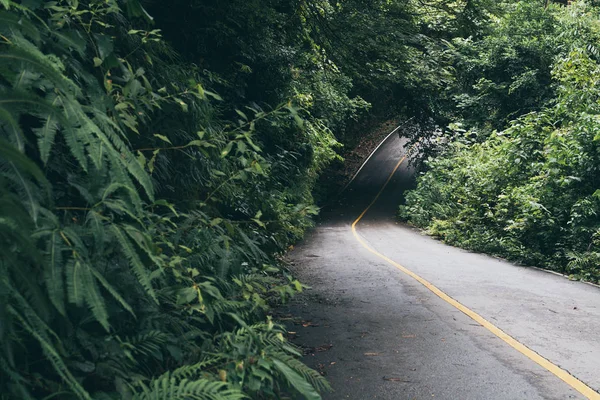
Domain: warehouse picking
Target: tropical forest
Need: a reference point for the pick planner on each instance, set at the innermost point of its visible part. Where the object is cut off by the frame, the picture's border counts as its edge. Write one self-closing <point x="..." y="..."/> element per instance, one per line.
<point x="160" y="159"/>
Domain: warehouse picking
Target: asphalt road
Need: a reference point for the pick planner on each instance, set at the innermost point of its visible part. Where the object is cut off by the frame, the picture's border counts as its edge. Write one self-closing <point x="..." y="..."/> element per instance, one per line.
<point x="377" y="333"/>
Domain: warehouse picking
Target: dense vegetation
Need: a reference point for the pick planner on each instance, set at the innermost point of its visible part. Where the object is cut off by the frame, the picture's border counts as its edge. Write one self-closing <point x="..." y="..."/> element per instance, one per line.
<point x="517" y="172"/>
<point x="157" y="158"/>
<point x="142" y="214"/>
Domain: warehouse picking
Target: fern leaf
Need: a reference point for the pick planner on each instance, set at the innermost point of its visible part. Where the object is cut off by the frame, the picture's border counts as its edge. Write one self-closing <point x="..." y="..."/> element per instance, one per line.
<point x="120" y="175"/>
<point x="53" y="273"/>
<point x="144" y="242"/>
<point x="14" y="22"/>
<point x="79" y="247"/>
<point x="137" y="171"/>
<point x="113" y="187"/>
<point x="14" y="128"/>
<point x="70" y="42"/>
<point x="166" y="387"/>
<point x="297" y="381"/>
<point x="76" y="138"/>
<point x="75" y="282"/>
<point x="121" y="208"/>
<point x="93" y="297"/>
<point x="33" y="204"/>
<point x="113" y="292"/>
<point x="97" y="153"/>
<point x="139" y="269"/>
<point x="19" y="383"/>
<point x="9" y="153"/>
<point x="126" y="158"/>
<point x="26" y="54"/>
<point x="149" y="344"/>
<point x="51" y="354"/>
<point x="95" y="222"/>
<point x="39" y="330"/>
<point x="46" y="135"/>
<point x="311" y="376"/>
<point x="194" y="370"/>
<point x="20" y="164"/>
<point x="132" y="165"/>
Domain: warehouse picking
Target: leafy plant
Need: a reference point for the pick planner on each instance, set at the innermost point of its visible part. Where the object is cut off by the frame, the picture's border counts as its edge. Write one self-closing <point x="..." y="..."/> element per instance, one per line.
<point x="140" y="228"/>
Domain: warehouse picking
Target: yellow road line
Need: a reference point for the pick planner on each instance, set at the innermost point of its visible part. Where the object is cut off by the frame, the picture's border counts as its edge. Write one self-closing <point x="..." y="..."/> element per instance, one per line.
<point x="520" y="347"/>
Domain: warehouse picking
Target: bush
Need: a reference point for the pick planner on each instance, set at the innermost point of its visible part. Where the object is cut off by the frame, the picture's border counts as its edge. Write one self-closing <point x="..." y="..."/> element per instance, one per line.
<point x="140" y="228"/>
<point x="528" y="193"/>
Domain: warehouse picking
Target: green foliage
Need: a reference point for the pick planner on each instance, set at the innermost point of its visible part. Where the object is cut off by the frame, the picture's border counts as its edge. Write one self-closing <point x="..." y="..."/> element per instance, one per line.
<point x="501" y="69"/>
<point x="141" y="215"/>
<point x="263" y="51"/>
<point x="147" y="191"/>
<point x="506" y="73"/>
<point x="528" y="193"/>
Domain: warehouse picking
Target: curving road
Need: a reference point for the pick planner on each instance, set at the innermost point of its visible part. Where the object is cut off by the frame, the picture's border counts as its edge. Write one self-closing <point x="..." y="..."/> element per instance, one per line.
<point x="378" y="333"/>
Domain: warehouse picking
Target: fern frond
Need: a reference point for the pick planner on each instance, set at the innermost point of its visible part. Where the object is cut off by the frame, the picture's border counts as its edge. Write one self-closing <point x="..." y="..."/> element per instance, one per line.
<point x="26" y="54"/>
<point x="76" y="138"/>
<point x="75" y="241"/>
<point x="19" y="383"/>
<point x="19" y="164"/>
<point x="144" y="242"/>
<point x="53" y="356"/>
<point x="53" y="273"/>
<point x="195" y="370"/>
<point x="46" y="135"/>
<point x="310" y="375"/>
<point x="296" y="380"/>
<point x="75" y="282"/>
<point x="256" y="252"/>
<point x="13" y="126"/>
<point x="120" y="207"/>
<point x="119" y="175"/>
<point x="95" y="222"/>
<point x="147" y="344"/>
<point x="112" y="291"/>
<point x="93" y="298"/>
<point x="166" y="387"/>
<point x="126" y="158"/>
<point x="139" y="269"/>
<point x="24" y="184"/>
<point x="12" y="22"/>
<point x="39" y="330"/>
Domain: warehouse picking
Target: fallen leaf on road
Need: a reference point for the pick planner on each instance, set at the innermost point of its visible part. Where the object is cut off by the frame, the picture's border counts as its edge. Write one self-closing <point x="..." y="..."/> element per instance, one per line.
<point x="321" y="369"/>
<point x="372" y="354"/>
<point x="319" y="349"/>
<point x="395" y="379"/>
<point x="325" y="347"/>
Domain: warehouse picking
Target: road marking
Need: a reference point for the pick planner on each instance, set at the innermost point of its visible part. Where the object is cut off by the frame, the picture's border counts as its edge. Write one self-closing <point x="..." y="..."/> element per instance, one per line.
<point x="569" y="379"/>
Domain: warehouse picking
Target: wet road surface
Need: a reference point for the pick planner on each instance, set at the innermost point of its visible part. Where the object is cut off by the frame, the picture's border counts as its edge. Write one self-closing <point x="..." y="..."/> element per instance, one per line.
<point x="377" y="333"/>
